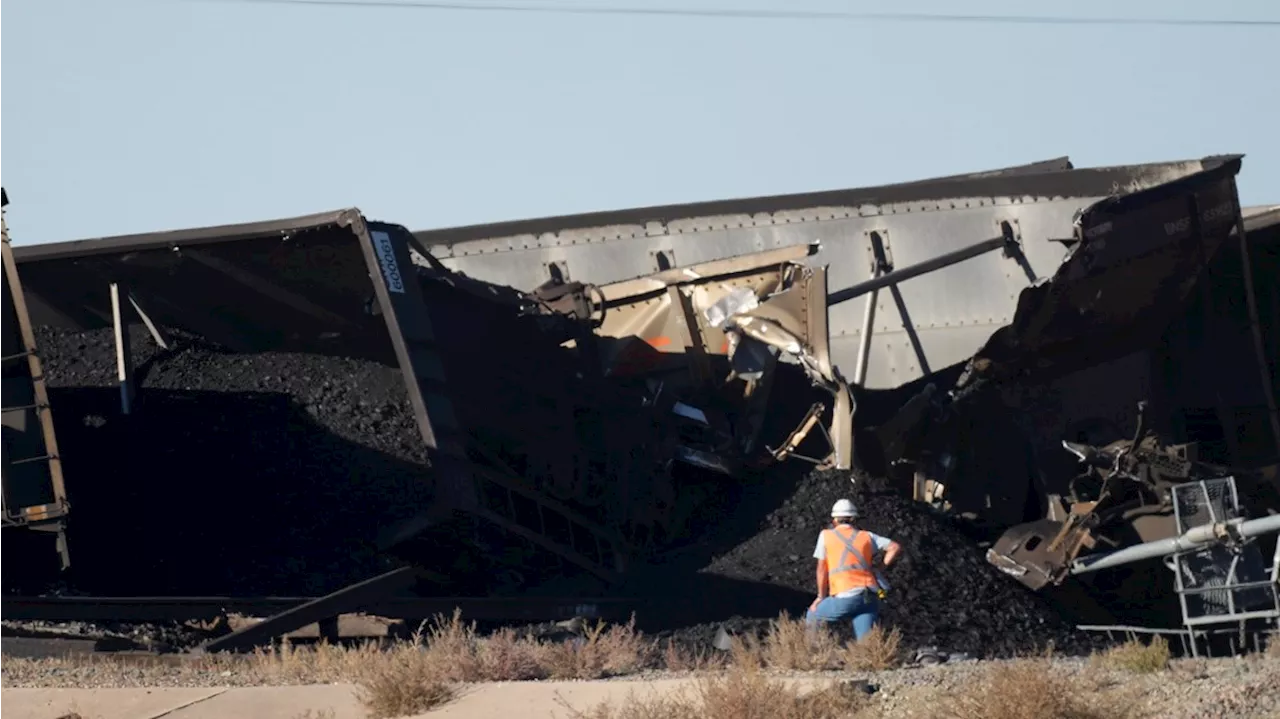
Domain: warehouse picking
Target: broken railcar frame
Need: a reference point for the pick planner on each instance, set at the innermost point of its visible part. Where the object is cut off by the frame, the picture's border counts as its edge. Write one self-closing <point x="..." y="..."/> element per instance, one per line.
<point x="34" y="490"/>
<point x="328" y="283"/>
<point x="753" y="311"/>
<point x="336" y="283"/>
<point x="890" y="332"/>
<point x="916" y="328"/>
<point x="1224" y="588"/>
<point x="1131" y="270"/>
<point x="1168" y="250"/>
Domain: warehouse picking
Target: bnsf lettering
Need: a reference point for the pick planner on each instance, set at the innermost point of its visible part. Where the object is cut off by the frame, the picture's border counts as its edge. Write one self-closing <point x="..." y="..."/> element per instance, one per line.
<point x="1177" y="226"/>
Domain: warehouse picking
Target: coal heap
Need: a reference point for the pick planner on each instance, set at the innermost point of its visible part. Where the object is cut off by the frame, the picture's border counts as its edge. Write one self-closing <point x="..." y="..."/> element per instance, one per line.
<point x="248" y="474"/>
<point x="943" y="592"/>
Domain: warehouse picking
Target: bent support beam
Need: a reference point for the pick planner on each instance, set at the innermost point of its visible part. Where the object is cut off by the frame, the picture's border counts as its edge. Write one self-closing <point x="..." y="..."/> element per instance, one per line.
<point x="124" y="354"/>
<point x="921" y="268"/>
<point x="157" y="334"/>
<point x="345" y="600"/>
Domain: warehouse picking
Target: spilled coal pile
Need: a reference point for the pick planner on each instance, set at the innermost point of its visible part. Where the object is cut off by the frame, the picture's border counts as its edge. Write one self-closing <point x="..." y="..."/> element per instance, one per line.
<point x="273" y="473"/>
<point x="943" y="592"/>
<point x="249" y="474"/>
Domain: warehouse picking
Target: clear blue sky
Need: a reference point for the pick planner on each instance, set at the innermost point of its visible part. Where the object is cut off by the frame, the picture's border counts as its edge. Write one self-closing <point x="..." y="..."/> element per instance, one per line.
<point x="140" y="115"/>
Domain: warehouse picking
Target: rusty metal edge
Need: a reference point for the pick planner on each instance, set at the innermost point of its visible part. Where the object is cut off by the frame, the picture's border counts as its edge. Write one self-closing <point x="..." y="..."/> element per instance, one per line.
<point x="185" y="237"/>
<point x="1224" y="167"/>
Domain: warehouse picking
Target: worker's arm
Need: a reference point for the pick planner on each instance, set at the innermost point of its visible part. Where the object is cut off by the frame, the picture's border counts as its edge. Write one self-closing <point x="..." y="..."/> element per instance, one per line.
<point x="823" y="586"/>
<point x="891" y="553"/>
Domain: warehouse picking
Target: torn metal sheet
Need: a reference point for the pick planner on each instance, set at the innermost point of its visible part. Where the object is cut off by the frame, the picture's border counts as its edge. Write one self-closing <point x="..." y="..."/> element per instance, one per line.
<point x="1135" y="260"/>
<point x="1126" y="278"/>
<point x="745" y="314"/>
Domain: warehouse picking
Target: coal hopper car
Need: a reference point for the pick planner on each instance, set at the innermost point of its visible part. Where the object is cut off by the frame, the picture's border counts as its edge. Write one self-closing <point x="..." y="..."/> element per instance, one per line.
<point x="35" y="506"/>
<point x="286" y="407"/>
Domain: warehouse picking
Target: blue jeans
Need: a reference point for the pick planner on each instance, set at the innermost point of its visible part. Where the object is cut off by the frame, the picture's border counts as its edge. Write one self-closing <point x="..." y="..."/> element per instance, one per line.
<point x="862" y="610"/>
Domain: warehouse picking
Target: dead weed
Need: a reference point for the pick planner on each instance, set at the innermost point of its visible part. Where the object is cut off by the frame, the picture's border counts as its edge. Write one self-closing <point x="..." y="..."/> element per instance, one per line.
<point x="402" y="681"/>
<point x="743" y="692"/>
<point x="603" y="650"/>
<point x="1031" y="688"/>
<point x="1134" y="656"/>
<point x="1272" y="650"/>
<point x="790" y="644"/>
<point x="679" y="659"/>
<point x="877" y="651"/>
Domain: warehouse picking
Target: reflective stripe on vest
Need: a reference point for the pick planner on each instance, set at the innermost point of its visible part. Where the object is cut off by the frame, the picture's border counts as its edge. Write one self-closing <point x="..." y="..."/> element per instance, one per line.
<point x="852" y="569"/>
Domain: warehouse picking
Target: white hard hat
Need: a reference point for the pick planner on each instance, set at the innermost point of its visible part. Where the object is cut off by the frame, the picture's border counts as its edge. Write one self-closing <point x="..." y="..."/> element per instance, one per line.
<point x="844" y="508"/>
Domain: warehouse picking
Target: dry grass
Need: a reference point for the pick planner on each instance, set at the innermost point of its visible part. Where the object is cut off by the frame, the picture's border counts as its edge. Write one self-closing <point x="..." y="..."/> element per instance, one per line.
<point x="1272" y="650"/>
<point x="1031" y="689"/>
<point x="416" y="676"/>
<point x="457" y="654"/>
<point x="877" y="651"/>
<point x="1134" y="656"/>
<point x="602" y="651"/>
<point x="743" y="692"/>
<point x="790" y="645"/>
<point x="404" y="680"/>
<point x="675" y="658"/>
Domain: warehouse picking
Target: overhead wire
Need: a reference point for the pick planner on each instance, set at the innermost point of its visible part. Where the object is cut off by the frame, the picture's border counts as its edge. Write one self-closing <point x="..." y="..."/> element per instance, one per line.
<point x="732" y="13"/>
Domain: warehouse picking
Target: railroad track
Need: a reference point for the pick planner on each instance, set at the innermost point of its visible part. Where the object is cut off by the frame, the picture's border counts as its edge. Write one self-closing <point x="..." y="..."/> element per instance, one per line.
<point x="179" y="609"/>
<point x="264" y="619"/>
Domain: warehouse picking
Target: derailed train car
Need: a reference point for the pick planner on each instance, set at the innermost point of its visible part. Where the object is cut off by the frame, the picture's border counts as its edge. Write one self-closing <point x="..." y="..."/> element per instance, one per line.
<point x="980" y="320"/>
<point x="925" y="275"/>
<point x="546" y="420"/>
<point x="35" y="502"/>
<point x="1052" y="304"/>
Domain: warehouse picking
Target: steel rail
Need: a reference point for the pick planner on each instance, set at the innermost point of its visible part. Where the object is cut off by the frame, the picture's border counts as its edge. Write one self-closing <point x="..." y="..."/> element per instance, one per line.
<point x="163" y="609"/>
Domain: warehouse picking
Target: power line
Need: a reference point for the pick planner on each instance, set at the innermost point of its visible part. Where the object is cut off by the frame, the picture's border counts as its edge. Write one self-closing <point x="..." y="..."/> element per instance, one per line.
<point x="764" y="14"/>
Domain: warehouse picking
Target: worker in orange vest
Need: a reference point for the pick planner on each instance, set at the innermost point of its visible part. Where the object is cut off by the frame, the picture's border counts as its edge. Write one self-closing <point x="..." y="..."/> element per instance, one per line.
<point x="849" y="589"/>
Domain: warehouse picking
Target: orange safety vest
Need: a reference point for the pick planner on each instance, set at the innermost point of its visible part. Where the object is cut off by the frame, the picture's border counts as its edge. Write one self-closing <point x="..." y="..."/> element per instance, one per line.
<point x="849" y="554"/>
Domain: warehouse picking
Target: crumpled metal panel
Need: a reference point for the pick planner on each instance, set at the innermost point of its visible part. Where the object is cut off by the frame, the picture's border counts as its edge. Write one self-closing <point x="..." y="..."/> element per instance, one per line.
<point x="1136" y="259"/>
